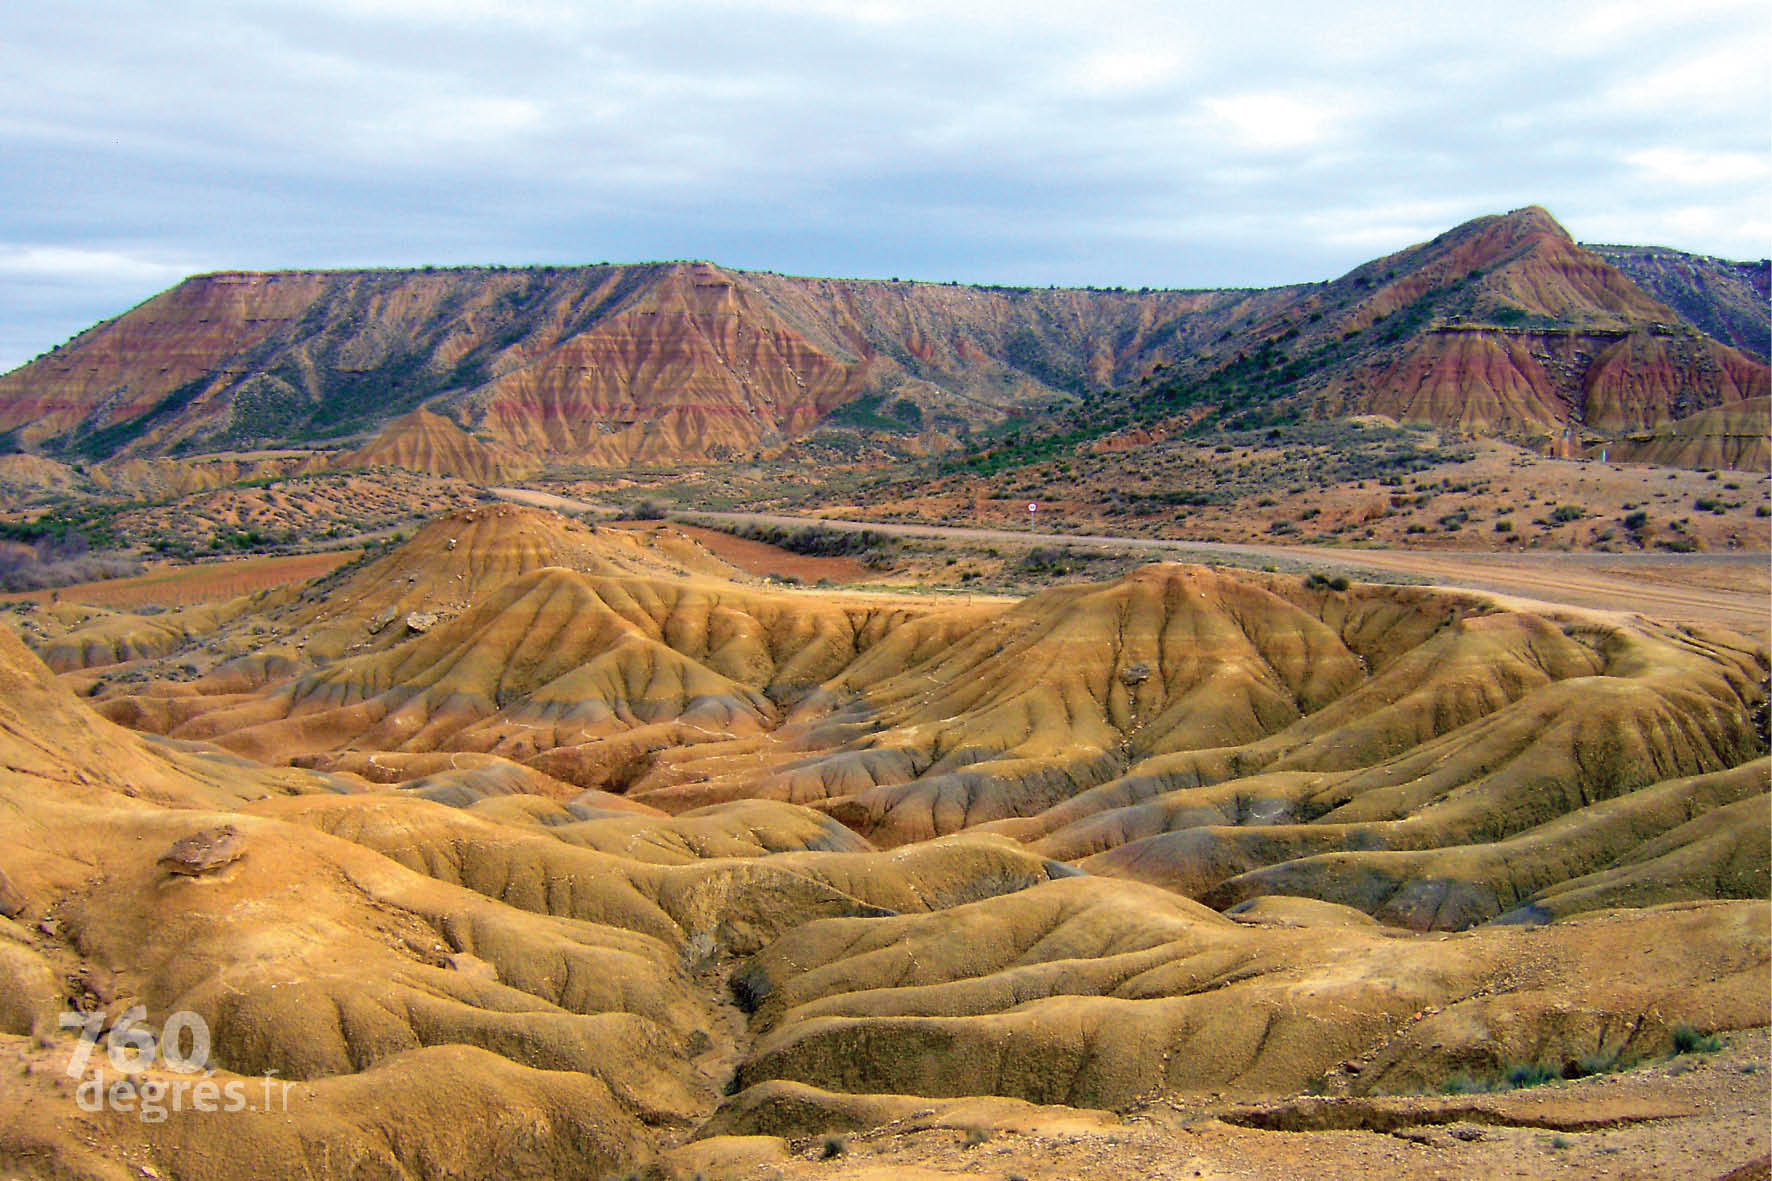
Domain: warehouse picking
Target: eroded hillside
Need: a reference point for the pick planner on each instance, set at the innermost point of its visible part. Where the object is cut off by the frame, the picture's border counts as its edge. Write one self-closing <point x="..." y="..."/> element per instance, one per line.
<point x="1731" y="301"/>
<point x="609" y="364"/>
<point x="558" y="850"/>
<point x="1503" y="326"/>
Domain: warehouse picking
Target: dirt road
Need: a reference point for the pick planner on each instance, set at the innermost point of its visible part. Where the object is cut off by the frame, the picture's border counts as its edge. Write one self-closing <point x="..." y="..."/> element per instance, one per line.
<point x="1730" y="589"/>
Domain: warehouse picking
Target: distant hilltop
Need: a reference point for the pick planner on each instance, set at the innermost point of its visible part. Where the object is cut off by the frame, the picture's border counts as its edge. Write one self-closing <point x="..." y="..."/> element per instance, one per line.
<point x="1503" y="326"/>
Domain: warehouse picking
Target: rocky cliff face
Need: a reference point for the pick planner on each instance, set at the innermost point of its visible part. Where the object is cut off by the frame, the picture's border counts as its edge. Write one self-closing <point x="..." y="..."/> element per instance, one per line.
<point x="1503" y="325"/>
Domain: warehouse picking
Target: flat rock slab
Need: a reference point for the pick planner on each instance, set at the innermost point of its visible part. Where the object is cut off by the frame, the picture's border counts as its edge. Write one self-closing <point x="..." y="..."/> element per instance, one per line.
<point x="204" y="852"/>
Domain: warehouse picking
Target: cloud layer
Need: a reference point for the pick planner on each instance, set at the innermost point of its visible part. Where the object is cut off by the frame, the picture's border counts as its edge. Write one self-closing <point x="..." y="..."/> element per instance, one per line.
<point x="1113" y="143"/>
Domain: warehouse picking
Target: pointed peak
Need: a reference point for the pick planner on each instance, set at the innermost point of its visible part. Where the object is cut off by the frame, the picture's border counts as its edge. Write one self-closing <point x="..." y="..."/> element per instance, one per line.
<point x="423" y="416"/>
<point x="1536" y="219"/>
<point x="1516" y="225"/>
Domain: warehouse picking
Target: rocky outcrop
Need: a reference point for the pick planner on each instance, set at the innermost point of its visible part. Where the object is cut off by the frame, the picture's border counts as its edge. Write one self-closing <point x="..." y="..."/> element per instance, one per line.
<point x="1522" y="383"/>
<point x="204" y="852"/>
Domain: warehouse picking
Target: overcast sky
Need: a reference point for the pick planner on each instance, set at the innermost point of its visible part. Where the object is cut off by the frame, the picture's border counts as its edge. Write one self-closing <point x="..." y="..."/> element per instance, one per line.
<point x="1105" y="143"/>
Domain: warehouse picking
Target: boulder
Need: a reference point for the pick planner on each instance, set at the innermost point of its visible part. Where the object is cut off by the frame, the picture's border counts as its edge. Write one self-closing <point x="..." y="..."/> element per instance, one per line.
<point x="204" y="852"/>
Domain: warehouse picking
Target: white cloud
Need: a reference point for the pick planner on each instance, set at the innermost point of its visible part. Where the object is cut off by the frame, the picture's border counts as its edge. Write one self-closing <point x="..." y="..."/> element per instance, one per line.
<point x="533" y="13"/>
<point x="1624" y="22"/>
<point x="1274" y="121"/>
<point x="1125" y="70"/>
<point x="1697" y="168"/>
<point x="1722" y="77"/>
<point x="422" y="125"/>
<point x="82" y="265"/>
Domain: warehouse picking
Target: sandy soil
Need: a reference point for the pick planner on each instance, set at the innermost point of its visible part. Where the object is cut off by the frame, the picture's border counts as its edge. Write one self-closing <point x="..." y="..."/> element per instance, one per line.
<point x="755" y="557"/>
<point x="1703" y="1116"/>
<point x="1503" y="499"/>
<point x="1729" y="589"/>
<point x="205" y="582"/>
<point x="537" y="499"/>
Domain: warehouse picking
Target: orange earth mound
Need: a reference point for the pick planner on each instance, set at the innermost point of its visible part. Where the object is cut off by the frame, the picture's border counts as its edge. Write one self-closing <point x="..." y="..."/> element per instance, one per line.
<point x="558" y="851"/>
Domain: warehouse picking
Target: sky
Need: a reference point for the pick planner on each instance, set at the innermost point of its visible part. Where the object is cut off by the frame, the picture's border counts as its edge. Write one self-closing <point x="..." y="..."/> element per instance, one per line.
<point x="1108" y="143"/>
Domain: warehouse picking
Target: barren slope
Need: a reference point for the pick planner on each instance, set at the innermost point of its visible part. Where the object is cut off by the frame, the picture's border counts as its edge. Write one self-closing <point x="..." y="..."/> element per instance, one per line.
<point x="1500" y="326"/>
<point x="658" y="361"/>
<point x="429" y="443"/>
<point x="1727" y="300"/>
<point x="1181" y="725"/>
<point x="593" y="860"/>
<point x="1734" y="435"/>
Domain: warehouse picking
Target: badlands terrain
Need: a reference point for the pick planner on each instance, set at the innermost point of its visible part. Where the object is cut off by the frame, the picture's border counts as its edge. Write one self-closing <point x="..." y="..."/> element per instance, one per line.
<point x="629" y="721"/>
<point x="576" y="849"/>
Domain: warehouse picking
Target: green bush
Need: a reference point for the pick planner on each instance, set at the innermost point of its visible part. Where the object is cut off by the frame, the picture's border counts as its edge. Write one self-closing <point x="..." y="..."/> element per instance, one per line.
<point x="1687" y="1040"/>
<point x="1530" y="1074"/>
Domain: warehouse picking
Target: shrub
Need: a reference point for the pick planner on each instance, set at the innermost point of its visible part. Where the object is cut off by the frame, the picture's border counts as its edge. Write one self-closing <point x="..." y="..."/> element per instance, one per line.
<point x="1687" y="1040"/>
<point x="1564" y="513"/>
<point x="1591" y="1064"/>
<point x="1460" y="1084"/>
<point x="818" y="541"/>
<point x="833" y="1147"/>
<point x="1047" y="559"/>
<point x="1530" y="1074"/>
<point x="647" y="510"/>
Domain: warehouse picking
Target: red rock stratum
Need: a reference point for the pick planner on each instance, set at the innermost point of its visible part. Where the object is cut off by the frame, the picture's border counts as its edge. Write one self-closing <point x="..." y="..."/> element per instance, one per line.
<point x="1501" y="326"/>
